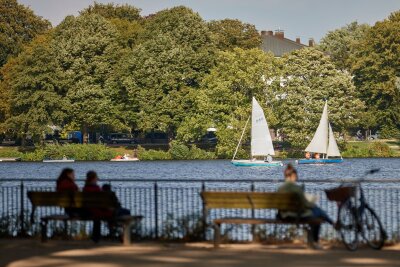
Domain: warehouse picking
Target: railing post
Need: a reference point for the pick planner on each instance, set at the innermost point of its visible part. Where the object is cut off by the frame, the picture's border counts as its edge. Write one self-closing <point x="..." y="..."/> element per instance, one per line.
<point x="156" y="208"/>
<point x="204" y="212"/>
<point x="22" y="207"/>
<point x="253" y="213"/>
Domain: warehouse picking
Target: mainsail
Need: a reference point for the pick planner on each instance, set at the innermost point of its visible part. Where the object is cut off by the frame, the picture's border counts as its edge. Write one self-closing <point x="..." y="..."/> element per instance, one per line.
<point x="324" y="141"/>
<point x="261" y="142"/>
<point x="319" y="143"/>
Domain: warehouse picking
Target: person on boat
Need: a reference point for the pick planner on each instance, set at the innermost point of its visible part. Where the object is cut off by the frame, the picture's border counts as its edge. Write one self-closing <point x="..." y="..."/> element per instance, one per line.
<point x="64" y="157"/>
<point x="316" y="156"/>
<point x="311" y="211"/>
<point x="268" y="158"/>
<point x="126" y="156"/>
<point x="308" y="156"/>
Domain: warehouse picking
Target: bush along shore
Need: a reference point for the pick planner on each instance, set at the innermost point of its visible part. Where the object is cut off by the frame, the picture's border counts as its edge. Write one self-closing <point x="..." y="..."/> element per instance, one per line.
<point x="177" y="151"/>
<point x="98" y="152"/>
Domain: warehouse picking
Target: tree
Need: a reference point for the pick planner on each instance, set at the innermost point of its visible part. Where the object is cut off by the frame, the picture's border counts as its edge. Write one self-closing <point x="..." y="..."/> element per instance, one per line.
<point x="164" y="70"/>
<point x="126" y="19"/>
<point x="231" y="33"/>
<point x="376" y="70"/>
<point x="224" y="100"/>
<point x="33" y="82"/>
<point x="340" y="43"/>
<point x="112" y="11"/>
<point x="87" y="51"/>
<point x="18" y="26"/>
<point x="305" y="79"/>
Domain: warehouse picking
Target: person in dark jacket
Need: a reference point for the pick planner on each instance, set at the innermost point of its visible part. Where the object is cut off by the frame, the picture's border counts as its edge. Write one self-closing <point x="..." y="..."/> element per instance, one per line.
<point x="92" y="186"/>
<point x="66" y="183"/>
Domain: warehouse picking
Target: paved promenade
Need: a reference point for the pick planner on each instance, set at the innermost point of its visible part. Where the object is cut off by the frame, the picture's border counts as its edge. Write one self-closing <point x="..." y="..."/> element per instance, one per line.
<point x="32" y="253"/>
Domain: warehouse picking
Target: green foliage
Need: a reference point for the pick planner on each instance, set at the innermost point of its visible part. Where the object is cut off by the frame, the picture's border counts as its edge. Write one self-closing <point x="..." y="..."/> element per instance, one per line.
<point x="224" y="100"/>
<point x="9" y="152"/>
<point x="231" y="33"/>
<point x="161" y="74"/>
<point x="376" y="65"/>
<point x="35" y="90"/>
<point x="152" y="154"/>
<point x="75" y="151"/>
<point x="365" y="150"/>
<point x="388" y="132"/>
<point x="87" y="51"/>
<point x="112" y="11"/>
<point x="340" y="43"/>
<point x="180" y="151"/>
<point x="18" y="26"/>
<point x="296" y="95"/>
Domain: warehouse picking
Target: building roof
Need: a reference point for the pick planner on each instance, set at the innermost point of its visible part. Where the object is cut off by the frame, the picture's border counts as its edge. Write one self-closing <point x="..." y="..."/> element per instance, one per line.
<point x="278" y="44"/>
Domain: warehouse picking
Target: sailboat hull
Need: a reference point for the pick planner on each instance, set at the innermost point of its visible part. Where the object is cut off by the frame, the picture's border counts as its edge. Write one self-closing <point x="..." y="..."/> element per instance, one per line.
<point x="256" y="163"/>
<point x="319" y="161"/>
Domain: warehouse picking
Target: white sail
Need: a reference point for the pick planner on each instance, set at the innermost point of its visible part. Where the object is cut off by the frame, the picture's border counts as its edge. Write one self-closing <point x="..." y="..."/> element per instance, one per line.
<point x="319" y="143"/>
<point x="333" y="150"/>
<point x="261" y="142"/>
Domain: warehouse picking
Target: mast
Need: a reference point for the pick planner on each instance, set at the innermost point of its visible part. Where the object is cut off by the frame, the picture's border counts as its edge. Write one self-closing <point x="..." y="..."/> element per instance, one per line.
<point x="240" y="140"/>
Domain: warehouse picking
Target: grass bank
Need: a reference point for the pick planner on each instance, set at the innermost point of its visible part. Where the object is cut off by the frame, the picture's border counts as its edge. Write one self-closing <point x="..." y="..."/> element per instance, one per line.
<point x="371" y="149"/>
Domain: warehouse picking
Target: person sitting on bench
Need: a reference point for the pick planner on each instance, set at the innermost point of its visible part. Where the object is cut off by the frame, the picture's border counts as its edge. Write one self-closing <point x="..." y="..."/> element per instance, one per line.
<point x="312" y="211"/>
<point x="66" y="183"/>
<point x="92" y="186"/>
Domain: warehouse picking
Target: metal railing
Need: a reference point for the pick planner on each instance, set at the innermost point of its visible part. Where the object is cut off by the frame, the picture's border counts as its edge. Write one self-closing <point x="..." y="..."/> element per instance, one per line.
<point x="172" y="209"/>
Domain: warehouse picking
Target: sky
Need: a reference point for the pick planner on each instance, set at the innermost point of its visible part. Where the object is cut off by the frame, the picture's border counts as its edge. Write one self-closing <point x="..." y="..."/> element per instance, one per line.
<point x="298" y="18"/>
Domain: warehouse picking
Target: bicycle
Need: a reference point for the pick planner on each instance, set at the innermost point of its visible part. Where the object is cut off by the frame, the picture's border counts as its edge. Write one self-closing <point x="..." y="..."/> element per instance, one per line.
<point x="355" y="216"/>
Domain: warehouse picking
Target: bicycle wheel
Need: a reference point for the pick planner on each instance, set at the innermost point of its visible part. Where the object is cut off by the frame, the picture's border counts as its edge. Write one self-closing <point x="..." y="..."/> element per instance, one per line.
<point x="372" y="229"/>
<point x="348" y="225"/>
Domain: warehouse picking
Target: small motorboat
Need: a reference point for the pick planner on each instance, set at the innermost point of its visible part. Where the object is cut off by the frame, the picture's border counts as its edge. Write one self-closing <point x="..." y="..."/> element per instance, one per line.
<point x="63" y="160"/>
<point x="125" y="157"/>
<point x="9" y="159"/>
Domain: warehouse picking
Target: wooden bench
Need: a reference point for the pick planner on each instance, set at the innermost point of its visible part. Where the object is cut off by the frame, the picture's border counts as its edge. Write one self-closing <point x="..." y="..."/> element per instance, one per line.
<point x="82" y="200"/>
<point x="255" y="200"/>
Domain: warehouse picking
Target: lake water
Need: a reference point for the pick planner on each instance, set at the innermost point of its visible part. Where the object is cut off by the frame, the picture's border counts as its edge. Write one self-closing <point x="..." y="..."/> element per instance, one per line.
<point x="182" y="199"/>
<point x="200" y="169"/>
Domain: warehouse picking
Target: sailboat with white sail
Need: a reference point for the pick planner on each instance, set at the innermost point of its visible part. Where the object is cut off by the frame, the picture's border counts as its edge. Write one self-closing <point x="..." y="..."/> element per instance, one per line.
<point x="261" y="141"/>
<point x="323" y="143"/>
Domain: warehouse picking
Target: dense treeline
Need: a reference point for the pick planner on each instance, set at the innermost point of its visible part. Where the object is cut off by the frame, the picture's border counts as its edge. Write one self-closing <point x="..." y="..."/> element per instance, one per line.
<point x="173" y="72"/>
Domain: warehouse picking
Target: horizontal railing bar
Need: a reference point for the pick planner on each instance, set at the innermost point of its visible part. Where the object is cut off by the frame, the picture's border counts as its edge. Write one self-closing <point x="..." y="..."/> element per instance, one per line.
<point x="344" y="180"/>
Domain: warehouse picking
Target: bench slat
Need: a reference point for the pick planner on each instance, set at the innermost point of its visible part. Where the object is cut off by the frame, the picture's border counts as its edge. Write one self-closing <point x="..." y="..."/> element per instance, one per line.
<point x="74" y="199"/>
<point x="252" y="200"/>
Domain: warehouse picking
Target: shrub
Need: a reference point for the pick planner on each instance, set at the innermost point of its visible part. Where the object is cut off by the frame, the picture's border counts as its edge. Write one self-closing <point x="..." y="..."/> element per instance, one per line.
<point x="151" y="154"/>
<point x="179" y="151"/>
<point x="75" y="151"/>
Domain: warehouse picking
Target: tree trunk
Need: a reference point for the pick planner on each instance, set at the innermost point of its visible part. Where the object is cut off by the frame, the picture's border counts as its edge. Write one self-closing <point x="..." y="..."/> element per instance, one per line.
<point x="85" y="134"/>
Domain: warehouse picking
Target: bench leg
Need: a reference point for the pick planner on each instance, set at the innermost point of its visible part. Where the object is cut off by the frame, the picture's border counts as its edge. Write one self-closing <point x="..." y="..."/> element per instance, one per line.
<point x="43" y="228"/>
<point x="127" y="233"/>
<point x="217" y="235"/>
